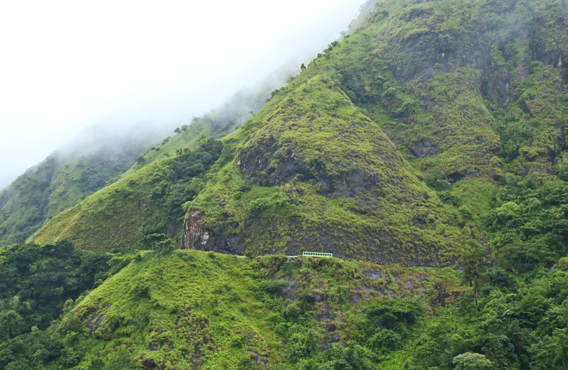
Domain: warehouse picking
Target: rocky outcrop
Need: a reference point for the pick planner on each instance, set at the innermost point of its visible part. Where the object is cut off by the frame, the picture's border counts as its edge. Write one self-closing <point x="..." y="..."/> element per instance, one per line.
<point x="327" y="178"/>
<point x="194" y="234"/>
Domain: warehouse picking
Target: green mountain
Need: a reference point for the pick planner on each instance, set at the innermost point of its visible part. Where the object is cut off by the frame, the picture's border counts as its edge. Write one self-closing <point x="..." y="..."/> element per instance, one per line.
<point x="148" y="197"/>
<point x="104" y="155"/>
<point x="335" y="160"/>
<point x="66" y="177"/>
<point x="426" y="150"/>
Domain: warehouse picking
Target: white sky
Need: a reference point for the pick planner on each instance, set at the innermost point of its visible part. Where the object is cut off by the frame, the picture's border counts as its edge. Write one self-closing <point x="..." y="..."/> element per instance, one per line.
<point x="67" y="64"/>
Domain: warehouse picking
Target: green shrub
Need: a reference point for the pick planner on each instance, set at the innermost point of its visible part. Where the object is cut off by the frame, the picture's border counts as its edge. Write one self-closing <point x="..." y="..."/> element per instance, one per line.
<point x="302" y="343"/>
<point x="385" y="340"/>
<point x="436" y="180"/>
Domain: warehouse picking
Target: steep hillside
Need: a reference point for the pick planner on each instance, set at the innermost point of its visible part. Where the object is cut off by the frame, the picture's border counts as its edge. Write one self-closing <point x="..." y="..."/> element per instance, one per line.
<point x="325" y="177"/>
<point x="316" y="167"/>
<point x="202" y="310"/>
<point x="426" y="150"/>
<point x="150" y="194"/>
<point x="467" y="73"/>
<point x="126" y="225"/>
<point x="144" y="202"/>
<point x="196" y="310"/>
<point x="313" y="171"/>
<point x="64" y="179"/>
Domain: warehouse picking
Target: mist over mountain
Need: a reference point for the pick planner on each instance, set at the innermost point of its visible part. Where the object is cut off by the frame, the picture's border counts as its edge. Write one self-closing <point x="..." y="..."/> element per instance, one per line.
<point x="396" y="200"/>
<point x="135" y="122"/>
<point x="157" y="64"/>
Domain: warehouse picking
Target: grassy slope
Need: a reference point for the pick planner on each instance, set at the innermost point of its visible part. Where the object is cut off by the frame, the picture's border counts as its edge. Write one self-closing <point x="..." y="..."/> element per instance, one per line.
<point x="420" y="98"/>
<point x="197" y="308"/>
<point x="355" y="196"/>
<point x="58" y="183"/>
<point x="422" y="69"/>
<point x="117" y="216"/>
<point x="146" y="201"/>
<point x="419" y="72"/>
<point x="113" y="217"/>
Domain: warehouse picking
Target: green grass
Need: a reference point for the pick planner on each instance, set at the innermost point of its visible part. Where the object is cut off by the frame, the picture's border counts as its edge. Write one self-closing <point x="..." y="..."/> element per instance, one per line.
<point x="214" y="306"/>
<point x="272" y="209"/>
<point x="60" y="182"/>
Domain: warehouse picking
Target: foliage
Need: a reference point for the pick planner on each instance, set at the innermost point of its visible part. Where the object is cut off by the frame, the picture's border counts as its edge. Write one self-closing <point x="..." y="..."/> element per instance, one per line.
<point x="37" y="285"/>
<point x="528" y="224"/>
<point x="206" y="309"/>
<point x="36" y="281"/>
<point x="433" y="135"/>
<point x="471" y="361"/>
<point x="148" y="201"/>
<point x="61" y="181"/>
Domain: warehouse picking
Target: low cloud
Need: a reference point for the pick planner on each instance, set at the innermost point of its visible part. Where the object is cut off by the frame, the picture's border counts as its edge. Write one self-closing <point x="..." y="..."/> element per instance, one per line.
<point x="125" y="64"/>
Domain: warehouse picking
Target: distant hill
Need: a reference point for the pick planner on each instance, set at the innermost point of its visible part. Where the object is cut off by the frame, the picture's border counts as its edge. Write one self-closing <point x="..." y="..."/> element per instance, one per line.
<point x="65" y="178"/>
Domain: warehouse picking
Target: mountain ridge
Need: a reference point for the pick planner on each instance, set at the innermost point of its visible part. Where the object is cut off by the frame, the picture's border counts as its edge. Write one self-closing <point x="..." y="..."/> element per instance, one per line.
<point x="425" y="150"/>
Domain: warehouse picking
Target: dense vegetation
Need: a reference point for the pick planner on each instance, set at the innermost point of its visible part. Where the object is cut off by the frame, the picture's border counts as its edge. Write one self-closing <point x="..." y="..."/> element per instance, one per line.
<point x="244" y="311"/>
<point x="64" y="179"/>
<point x="186" y="309"/>
<point x="433" y="135"/>
<point x="36" y="281"/>
<point x="147" y="201"/>
<point x="38" y="284"/>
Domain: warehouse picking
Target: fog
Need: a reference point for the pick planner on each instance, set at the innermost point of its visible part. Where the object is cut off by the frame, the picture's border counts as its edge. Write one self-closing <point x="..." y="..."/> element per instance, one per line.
<point x="67" y="64"/>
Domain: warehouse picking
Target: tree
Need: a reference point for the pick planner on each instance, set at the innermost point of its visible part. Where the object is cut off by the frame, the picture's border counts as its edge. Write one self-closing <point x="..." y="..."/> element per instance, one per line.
<point x="385" y="340"/>
<point x="395" y="314"/>
<point x="563" y="167"/>
<point x="474" y="266"/>
<point x="177" y="130"/>
<point x="160" y="243"/>
<point x="301" y="344"/>
<point x="140" y="160"/>
<point x="165" y="247"/>
<point x="11" y="324"/>
<point x="436" y="180"/>
<point x="471" y="361"/>
<point x="303" y="67"/>
<point x="152" y="240"/>
<point x="551" y="352"/>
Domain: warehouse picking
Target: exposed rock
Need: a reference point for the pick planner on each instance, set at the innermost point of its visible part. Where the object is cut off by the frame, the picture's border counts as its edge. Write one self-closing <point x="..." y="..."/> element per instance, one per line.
<point x="326" y="314"/>
<point x="320" y="297"/>
<point x="95" y="322"/>
<point x="150" y="364"/>
<point x="194" y="233"/>
<point x="257" y="358"/>
<point x="355" y="299"/>
<point x="327" y="344"/>
<point x="288" y="292"/>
